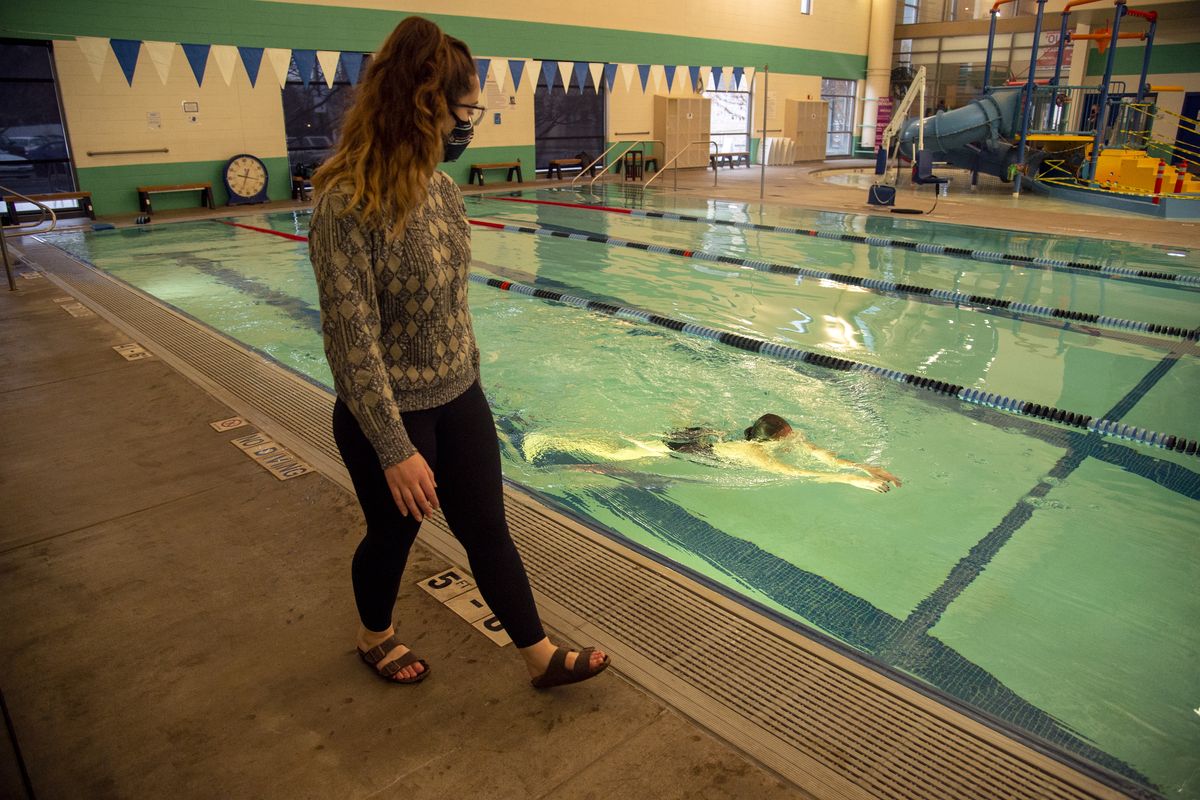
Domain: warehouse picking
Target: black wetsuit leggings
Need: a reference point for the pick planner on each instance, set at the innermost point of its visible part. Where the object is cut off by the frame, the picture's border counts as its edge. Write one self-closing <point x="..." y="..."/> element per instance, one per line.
<point x="458" y="440"/>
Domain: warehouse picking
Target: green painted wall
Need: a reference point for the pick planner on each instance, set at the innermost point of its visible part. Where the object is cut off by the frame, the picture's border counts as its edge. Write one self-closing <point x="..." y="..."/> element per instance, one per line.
<point x="261" y="24"/>
<point x="1165" y="59"/>
<point x="114" y="189"/>
<point x="460" y="170"/>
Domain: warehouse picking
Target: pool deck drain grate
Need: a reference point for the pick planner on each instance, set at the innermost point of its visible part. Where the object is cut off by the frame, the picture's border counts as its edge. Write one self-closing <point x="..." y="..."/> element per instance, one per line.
<point x="824" y="721"/>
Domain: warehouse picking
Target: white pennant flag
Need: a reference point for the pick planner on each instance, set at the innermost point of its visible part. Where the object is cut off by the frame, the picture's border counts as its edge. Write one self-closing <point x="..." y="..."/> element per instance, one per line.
<point x="95" y="50"/>
<point x="328" y="59"/>
<point x="532" y="74"/>
<point x="280" y="59"/>
<point x="161" y="55"/>
<point x="627" y="72"/>
<point x="500" y="72"/>
<point x="748" y="78"/>
<point x="565" y="70"/>
<point x="597" y="70"/>
<point x="226" y="56"/>
<point x="656" y="75"/>
<point x="705" y="73"/>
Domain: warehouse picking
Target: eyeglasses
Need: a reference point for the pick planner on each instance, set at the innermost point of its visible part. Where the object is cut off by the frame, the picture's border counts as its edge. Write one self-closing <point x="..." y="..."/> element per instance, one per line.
<point x="476" y="115"/>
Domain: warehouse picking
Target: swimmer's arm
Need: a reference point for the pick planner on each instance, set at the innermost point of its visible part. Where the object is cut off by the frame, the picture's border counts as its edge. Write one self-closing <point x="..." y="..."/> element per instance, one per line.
<point x="536" y="444"/>
<point x="833" y="460"/>
<point x="755" y="456"/>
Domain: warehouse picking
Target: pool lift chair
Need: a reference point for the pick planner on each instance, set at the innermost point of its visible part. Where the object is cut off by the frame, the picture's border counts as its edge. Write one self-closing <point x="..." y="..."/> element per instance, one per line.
<point x="922" y="174"/>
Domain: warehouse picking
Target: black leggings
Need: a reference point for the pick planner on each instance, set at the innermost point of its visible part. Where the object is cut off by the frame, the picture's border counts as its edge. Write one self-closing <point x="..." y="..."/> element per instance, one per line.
<point x="458" y="440"/>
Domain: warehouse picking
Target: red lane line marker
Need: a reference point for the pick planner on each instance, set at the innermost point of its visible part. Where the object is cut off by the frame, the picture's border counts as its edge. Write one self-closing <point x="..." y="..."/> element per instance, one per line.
<point x="293" y="236"/>
<point x="564" y="205"/>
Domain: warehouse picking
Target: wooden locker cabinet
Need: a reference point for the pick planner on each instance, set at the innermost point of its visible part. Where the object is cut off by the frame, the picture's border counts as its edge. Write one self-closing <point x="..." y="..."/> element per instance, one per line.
<point x="679" y="121"/>
<point x="806" y="122"/>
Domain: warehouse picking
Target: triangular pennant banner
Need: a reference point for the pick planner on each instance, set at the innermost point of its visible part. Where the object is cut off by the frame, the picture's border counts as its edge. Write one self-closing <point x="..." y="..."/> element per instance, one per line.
<point x="596" y="68"/>
<point x="694" y="74"/>
<point x="716" y="76"/>
<point x="197" y="56"/>
<point x="328" y="59"/>
<point x="500" y="73"/>
<point x="564" y="72"/>
<point x="481" y="69"/>
<point x="669" y="72"/>
<point x="280" y="59"/>
<point x="644" y="72"/>
<point x="737" y="77"/>
<point x="516" y="68"/>
<point x="627" y="71"/>
<point x="251" y="61"/>
<point x="95" y="50"/>
<point x="126" y="51"/>
<point x="352" y="66"/>
<point x="161" y="55"/>
<point x="305" y="60"/>
<point x="705" y="74"/>
<point x="549" y="70"/>
<point x="226" y="57"/>
<point x="656" y="73"/>
<point x="749" y="72"/>
<point x="610" y="75"/>
<point x="581" y="74"/>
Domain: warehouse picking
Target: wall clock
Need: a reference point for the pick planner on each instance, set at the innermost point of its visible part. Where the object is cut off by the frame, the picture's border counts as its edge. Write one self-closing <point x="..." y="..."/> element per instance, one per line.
<point x="245" y="179"/>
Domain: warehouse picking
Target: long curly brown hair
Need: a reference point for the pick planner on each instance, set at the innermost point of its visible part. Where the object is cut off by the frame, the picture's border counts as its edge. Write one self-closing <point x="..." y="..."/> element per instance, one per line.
<point x="391" y="140"/>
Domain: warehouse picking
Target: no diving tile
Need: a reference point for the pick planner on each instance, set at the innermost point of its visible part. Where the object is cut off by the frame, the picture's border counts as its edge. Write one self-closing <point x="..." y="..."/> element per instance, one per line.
<point x="132" y="351"/>
<point x="76" y="309"/>
<point x="455" y="589"/>
<point x="271" y="456"/>
<point x="228" y="424"/>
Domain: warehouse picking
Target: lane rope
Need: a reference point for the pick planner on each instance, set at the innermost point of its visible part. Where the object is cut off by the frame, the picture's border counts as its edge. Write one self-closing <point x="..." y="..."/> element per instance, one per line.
<point x="1103" y="427"/>
<point x="877" y="285"/>
<point x="1051" y="264"/>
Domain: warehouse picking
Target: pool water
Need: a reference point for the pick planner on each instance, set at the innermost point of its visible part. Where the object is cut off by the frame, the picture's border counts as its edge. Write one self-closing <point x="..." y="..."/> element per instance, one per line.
<point x="1043" y="575"/>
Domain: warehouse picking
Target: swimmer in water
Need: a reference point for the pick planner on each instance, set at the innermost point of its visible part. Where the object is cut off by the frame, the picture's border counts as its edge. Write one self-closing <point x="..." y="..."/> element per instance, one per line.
<point x="760" y="447"/>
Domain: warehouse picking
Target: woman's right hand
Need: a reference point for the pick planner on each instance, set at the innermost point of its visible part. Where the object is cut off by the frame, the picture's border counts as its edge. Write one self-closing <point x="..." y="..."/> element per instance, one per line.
<point x="413" y="487"/>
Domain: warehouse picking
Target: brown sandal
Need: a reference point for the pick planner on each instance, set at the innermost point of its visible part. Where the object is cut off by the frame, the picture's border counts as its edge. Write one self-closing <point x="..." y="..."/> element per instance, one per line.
<point x="557" y="674"/>
<point x="373" y="656"/>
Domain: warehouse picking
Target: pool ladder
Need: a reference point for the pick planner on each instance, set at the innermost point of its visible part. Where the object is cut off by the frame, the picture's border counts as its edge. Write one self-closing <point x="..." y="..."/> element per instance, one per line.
<point x="19" y="229"/>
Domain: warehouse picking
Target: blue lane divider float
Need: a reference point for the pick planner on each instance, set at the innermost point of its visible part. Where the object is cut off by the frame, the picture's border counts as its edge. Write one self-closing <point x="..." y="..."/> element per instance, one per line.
<point x="877" y="285"/>
<point x="1050" y="264"/>
<point x="1104" y="427"/>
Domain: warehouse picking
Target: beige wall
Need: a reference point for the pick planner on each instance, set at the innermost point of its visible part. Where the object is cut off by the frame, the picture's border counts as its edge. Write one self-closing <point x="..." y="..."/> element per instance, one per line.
<point x="109" y="114"/>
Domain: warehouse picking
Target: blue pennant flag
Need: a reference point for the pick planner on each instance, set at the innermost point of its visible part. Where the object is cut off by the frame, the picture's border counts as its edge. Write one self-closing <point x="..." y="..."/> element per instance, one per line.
<point x="251" y="60"/>
<point x="738" y="72"/>
<point x="644" y="72"/>
<point x="694" y="73"/>
<point x="549" y="70"/>
<point x="481" y="67"/>
<point x="716" y="76"/>
<point x="126" y="51"/>
<point x="581" y="75"/>
<point x="352" y="65"/>
<point x="197" y="56"/>
<point x="306" y="60"/>
<point x="516" y="68"/>
<point x="669" y="69"/>
<point x="610" y="75"/>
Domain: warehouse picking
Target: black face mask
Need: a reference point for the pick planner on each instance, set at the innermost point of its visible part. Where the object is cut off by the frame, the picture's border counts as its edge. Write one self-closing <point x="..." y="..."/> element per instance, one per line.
<point x="458" y="140"/>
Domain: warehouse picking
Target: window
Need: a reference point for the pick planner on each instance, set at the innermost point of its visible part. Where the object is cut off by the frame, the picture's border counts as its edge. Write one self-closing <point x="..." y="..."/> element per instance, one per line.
<point x="909" y="11"/>
<point x="312" y="116"/>
<point x="729" y="119"/>
<point x="567" y="124"/>
<point x="33" y="144"/>
<point x="840" y="96"/>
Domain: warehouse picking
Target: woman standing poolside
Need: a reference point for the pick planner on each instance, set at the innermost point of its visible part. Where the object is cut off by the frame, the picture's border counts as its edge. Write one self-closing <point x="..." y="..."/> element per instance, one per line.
<point x="391" y="247"/>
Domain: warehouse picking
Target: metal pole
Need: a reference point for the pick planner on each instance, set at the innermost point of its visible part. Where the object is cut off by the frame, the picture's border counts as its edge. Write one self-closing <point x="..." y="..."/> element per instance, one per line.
<point x="12" y="286"/>
<point x="762" y="144"/>
<point x="1141" y="95"/>
<point x="1102" y="111"/>
<point x="1062" y="46"/>
<point x="987" y="65"/>
<point x="1027" y="108"/>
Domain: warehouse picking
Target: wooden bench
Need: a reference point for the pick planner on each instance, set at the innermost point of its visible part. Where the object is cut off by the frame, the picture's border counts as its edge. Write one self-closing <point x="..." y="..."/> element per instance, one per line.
<point x="205" y="190"/>
<point x="301" y="188"/>
<point x="731" y="159"/>
<point x="513" y="167"/>
<point x="10" y="201"/>
<point x="557" y="164"/>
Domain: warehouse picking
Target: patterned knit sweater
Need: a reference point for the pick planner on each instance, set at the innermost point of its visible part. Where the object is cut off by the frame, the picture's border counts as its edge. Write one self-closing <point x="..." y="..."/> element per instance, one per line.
<point x="396" y="325"/>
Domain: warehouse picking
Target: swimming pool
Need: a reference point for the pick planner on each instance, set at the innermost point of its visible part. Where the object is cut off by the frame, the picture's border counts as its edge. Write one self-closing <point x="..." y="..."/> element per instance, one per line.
<point x="1041" y="573"/>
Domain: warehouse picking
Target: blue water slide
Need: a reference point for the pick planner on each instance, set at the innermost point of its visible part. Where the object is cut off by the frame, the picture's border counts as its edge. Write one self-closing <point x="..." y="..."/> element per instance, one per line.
<point x="977" y="136"/>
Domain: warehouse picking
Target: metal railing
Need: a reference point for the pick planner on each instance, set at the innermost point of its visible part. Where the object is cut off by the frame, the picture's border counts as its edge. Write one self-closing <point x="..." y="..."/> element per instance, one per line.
<point x="18" y="229"/>
<point x="675" y="172"/>
<point x="618" y="160"/>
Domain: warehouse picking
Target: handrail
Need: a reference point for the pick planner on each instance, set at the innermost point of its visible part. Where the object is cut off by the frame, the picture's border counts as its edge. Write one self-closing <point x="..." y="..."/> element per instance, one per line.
<point x="6" y="192"/>
<point x="632" y="144"/>
<point x="676" y="158"/>
<point x="598" y="159"/>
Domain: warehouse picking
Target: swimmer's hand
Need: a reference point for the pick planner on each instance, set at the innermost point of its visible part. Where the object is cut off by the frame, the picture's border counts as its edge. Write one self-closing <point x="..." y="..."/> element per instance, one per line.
<point x="883" y="475"/>
<point x="413" y="487"/>
<point x="873" y="484"/>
